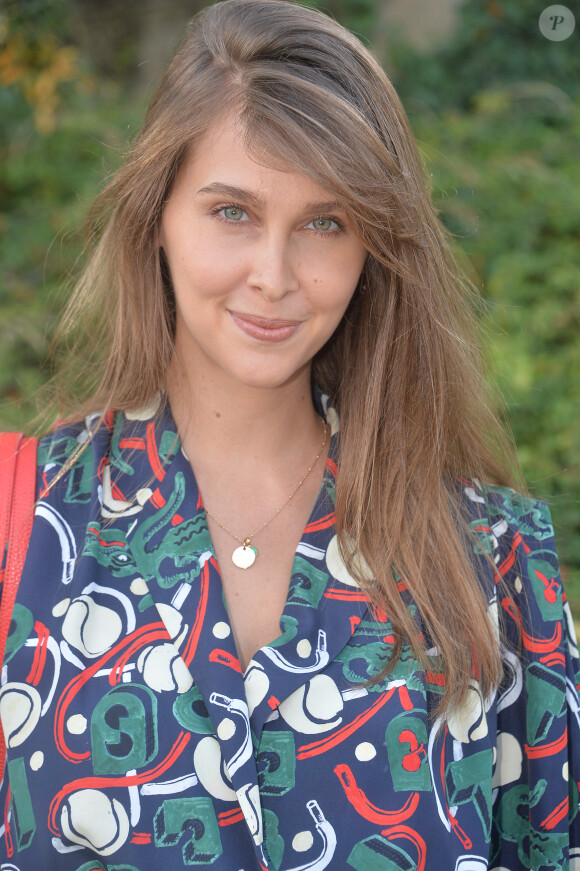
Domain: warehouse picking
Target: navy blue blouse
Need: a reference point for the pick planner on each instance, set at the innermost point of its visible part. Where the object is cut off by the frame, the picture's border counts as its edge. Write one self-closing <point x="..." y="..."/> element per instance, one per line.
<point x="136" y="742"/>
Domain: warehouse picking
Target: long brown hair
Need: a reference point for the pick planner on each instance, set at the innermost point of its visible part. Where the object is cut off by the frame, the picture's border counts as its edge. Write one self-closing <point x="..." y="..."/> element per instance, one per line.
<point x="402" y="369"/>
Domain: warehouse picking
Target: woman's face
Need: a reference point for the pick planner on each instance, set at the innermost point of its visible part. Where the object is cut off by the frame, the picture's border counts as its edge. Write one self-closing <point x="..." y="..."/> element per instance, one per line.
<point x="263" y="264"/>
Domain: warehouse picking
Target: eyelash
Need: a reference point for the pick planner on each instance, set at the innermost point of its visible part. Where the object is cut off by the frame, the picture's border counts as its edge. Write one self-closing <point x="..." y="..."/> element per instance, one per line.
<point x="215" y="213"/>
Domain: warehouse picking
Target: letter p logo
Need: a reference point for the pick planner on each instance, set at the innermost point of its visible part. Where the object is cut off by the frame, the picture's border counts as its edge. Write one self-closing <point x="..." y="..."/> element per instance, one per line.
<point x="557" y="23"/>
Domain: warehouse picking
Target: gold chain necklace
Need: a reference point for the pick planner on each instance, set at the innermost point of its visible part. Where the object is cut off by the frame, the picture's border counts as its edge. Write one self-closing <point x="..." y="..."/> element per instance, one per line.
<point x="245" y="556"/>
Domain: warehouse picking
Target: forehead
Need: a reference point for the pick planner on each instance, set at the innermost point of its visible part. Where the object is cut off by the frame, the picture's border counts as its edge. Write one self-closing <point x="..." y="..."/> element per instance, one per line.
<point x="222" y="155"/>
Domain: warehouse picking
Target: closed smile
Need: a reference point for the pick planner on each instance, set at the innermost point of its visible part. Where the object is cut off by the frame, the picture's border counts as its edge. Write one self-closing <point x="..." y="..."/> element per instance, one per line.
<point x="265" y="329"/>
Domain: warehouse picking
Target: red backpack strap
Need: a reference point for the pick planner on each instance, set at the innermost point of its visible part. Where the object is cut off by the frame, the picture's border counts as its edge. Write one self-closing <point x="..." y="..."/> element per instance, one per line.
<point x="17" y="498"/>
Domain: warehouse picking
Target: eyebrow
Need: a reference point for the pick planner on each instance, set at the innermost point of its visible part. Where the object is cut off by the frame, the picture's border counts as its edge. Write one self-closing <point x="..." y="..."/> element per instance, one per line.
<point x="236" y="193"/>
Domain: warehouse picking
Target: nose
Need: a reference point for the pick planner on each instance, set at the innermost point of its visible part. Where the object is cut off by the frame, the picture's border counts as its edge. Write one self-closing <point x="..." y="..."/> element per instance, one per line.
<point x="274" y="267"/>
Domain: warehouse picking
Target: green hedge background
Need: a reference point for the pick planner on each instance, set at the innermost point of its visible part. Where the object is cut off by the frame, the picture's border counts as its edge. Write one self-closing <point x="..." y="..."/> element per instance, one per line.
<point x="497" y="115"/>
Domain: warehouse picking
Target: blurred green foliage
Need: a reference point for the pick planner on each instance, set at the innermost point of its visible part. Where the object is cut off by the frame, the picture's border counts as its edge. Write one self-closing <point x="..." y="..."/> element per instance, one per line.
<point x="500" y="142"/>
<point x="497" y="44"/>
<point x="62" y="131"/>
<point x="36" y="59"/>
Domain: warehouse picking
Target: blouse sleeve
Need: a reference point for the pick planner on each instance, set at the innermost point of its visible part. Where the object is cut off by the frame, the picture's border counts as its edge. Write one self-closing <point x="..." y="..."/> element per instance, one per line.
<point x="537" y="766"/>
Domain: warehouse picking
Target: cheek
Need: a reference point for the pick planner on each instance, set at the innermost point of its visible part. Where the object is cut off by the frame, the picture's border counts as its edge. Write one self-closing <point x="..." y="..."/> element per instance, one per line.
<point x="198" y="268"/>
<point x="335" y="277"/>
<point x="332" y="290"/>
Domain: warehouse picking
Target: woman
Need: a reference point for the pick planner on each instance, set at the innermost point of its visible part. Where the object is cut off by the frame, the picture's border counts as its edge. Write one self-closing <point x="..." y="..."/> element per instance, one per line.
<point x="244" y="638"/>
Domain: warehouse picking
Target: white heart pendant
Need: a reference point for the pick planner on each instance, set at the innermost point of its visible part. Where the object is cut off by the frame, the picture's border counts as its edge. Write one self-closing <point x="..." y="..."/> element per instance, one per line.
<point x="244" y="556"/>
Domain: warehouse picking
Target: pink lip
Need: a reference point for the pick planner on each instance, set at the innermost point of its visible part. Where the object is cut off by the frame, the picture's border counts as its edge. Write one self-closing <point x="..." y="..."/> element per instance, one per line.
<point x="264" y="329"/>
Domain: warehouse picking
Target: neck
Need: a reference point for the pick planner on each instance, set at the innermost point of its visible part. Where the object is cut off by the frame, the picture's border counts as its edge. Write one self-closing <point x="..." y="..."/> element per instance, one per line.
<point x="237" y="423"/>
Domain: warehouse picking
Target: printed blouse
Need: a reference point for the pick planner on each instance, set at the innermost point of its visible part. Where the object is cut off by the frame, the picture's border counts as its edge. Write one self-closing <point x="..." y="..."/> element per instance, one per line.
<point x="136" y="742"/>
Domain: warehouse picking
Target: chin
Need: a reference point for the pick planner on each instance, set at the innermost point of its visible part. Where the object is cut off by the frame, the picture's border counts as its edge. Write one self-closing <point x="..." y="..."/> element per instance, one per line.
<point x="264" y="378"/>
